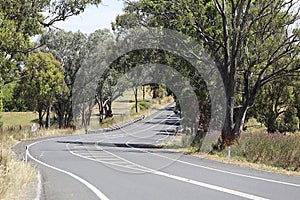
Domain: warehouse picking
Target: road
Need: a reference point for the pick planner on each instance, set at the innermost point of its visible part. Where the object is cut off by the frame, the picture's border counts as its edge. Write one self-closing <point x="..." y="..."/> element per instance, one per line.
<point x="126" y="164"/>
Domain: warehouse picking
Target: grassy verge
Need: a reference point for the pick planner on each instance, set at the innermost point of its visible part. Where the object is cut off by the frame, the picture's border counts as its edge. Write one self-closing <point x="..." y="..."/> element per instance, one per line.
<point x="275" y="150"/>
<point x="15" y="175"/>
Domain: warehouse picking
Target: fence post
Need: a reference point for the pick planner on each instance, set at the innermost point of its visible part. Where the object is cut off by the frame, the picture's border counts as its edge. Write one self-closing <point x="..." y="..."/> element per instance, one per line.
<point x="26" y="153"/>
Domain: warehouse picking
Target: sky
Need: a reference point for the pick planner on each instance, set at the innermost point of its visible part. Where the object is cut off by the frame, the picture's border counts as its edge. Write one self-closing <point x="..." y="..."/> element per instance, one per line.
<point x="93" y="17"/>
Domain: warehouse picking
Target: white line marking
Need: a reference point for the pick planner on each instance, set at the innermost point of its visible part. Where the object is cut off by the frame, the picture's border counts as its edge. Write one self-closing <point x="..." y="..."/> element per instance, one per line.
<point x="209" y="186"/>
<point x="106" y="159"/>
<point x="219" y="170"/>
<point x="198" y="183"/>
<point x="97" y="192"/>
<point x="39" y="186"/>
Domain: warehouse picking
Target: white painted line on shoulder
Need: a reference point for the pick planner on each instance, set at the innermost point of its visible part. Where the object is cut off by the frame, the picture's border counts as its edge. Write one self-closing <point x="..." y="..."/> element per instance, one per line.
<point x="39" y="186"/>
<point x="178" y="178"/>
<point x="219" y="170"/>
<point x="209" y="186"/>
<point x="97" y="192"/>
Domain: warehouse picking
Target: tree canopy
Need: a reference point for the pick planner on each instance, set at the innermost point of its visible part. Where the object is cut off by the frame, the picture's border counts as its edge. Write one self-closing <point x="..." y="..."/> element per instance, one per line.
<point x="22" y="19"/>
<point x="252" y="43"/>
<point x="42" y="80"/>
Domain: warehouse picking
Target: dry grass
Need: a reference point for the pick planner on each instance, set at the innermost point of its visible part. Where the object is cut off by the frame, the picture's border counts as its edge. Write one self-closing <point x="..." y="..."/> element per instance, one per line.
<point x="244" y="163"/>
<point x="15" y="177"/>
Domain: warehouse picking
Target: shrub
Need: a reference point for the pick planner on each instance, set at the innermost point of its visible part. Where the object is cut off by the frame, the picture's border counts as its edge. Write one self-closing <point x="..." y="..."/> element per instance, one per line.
<point x="142" y="105"/>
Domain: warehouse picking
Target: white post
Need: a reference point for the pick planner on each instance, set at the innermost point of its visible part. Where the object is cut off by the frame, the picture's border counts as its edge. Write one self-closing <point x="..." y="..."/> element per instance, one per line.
<point x="26" y="153"/>
<point x="229" y="155"/>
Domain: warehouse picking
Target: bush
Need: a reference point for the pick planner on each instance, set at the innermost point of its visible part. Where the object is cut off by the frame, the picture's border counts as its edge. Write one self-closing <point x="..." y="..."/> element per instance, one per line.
<point x="142" y="105"/>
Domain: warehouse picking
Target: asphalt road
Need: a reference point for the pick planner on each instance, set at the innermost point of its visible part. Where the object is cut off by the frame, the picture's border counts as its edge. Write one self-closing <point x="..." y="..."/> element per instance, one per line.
<point x="125" y="164"/>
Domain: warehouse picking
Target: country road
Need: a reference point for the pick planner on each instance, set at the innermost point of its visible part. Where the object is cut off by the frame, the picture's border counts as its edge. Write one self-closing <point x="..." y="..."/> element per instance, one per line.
<point x="127" y="164"/>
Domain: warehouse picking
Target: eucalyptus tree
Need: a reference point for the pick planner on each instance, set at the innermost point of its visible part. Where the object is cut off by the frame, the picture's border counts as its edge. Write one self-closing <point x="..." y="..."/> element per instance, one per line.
<point x="70" y="49"/>
<point x="275" y="106"/>
<point x="252" y="42"/>
<point x="22" y="19"/>
<point x="42" y="79"/>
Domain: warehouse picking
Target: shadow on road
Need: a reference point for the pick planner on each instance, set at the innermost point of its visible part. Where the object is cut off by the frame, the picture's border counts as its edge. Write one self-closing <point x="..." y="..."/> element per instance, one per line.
<point x="123" y="145"/>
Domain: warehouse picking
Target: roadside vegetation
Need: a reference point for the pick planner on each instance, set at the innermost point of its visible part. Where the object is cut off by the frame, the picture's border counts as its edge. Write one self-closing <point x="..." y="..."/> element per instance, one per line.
<point x="254" y="46"/>
<point x="16" y="176"/>
<point x="277" y="152"/>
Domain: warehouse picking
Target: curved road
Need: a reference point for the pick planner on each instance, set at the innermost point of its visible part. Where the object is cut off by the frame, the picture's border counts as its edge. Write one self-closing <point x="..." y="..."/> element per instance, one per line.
<point x="126" y="164"/>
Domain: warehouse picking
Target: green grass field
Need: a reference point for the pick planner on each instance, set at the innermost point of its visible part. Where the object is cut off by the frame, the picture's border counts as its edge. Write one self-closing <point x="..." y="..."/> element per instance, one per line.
<point x="19" y="118"/>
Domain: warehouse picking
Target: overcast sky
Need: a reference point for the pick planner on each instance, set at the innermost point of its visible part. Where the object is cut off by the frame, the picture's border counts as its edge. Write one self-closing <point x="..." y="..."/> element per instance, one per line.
<point x="94" y="18"/>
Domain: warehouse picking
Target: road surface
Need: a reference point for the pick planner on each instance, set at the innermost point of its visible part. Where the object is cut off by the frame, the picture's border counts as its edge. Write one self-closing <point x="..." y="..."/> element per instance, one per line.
<point x="126" y="164"/>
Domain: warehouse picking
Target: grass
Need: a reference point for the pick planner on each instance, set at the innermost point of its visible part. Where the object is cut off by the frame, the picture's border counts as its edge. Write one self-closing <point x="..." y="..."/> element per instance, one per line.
<point x="273" y="150"/>
<point x="258" y="149"/>
<point x="15" y="175"/>
<point x="18" y="118"/>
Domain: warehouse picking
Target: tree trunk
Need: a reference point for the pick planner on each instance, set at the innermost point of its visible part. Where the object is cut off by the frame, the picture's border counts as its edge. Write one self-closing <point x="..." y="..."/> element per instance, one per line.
<point x="136" y="99"/>
<point x="41" y="124"/>
<point x="108" y="109"/>
<point x="89" y="114"/>
<point x="239" y="122"/>
<point x="227" y="131"/>
<point x="60" y="108"/>
<point x="83" y="119"/>
<point x="100" y="108"/>
<point x="144" y="92"/>
<point x="69" y="116"/>
<point x="48" y="117"/>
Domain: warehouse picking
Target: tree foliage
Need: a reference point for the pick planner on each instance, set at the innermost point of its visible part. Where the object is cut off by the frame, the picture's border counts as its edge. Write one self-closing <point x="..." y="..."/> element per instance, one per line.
<point x="70" y="49"/>
<point x="22" y="19"/>
<point x="42" y="80"/>
<point x="275" y="106"/>
<point x="252" y="43"/>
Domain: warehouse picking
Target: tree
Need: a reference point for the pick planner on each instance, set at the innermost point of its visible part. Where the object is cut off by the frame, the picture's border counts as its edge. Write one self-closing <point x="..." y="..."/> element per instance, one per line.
<point x="10" y="100"/>
<point x="42" y="79"/>
<point x="252" y="42"/>
<point x="23" y="19"/>
<point x="275" y="106"/>
<point x="70" y="49"/>
<point x="105" y="89"/>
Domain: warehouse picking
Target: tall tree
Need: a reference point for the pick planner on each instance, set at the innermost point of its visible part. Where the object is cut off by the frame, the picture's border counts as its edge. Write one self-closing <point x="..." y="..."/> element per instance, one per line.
<point x="22" y="19"/>
<point x="42" y="79"/>
<point x="70" y="49"/>
<point x="253" y="42"/>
